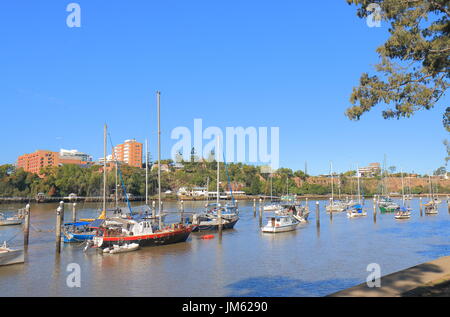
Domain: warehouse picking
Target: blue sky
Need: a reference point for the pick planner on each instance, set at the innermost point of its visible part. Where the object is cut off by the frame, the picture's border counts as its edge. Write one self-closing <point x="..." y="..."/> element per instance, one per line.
<point x="289" y="64"/>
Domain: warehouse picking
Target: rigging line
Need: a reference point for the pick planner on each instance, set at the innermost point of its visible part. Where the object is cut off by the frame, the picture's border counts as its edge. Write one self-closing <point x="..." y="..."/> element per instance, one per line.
<point x="228" y="178"/>
<point x="121" y="178"/>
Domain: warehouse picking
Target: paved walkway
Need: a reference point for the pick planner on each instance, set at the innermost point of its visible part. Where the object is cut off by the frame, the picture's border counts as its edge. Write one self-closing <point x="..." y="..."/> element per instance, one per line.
<point x="398" y="283"/>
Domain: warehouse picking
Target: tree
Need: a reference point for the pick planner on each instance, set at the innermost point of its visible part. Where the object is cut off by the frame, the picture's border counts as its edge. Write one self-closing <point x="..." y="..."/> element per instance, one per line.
<point x="440" y="171"/>
<point x="392" y="169"/>
<point x="414" y="70"/>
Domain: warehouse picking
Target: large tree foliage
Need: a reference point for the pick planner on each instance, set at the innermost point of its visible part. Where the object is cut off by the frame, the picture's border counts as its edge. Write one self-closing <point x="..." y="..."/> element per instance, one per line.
<point x="414" y="68"/>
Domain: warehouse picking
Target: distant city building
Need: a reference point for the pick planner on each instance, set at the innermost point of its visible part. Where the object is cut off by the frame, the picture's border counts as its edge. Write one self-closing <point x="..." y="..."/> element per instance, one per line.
<point x="164" y="167"/>
<point x="369" y="171"/>
<point x="34" y="162"/>
<point x="130" y="152"/>
<point x="74" y="155"/>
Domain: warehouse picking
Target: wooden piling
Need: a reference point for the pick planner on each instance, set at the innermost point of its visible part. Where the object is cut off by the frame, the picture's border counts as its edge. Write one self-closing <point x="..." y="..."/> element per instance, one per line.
<point x="420" y="205"/>
<point x="317" y="214"/>
<point x="59" y="221"/>
<point x="254" y="207"/>
<point x="374" y="209"/>
<point x="74" y="212"/>
<point x="182" y="211"/>
<point x="26" y="226"/>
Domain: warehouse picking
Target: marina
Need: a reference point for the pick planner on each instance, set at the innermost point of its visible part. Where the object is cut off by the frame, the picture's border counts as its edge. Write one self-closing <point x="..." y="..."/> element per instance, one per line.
<point x="310" y="261"/>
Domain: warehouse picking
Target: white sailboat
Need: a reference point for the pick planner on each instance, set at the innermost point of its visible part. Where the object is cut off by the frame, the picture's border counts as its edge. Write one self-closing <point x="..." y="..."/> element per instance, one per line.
<point x="334" y="206"/>
<point x="357" y="210"/>
<point x="431" y="208"/>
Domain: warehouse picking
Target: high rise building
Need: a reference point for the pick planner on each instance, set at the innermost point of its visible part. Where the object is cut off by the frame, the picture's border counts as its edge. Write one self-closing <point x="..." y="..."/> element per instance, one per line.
<point x="130" y="152"/>
<point x="34" y="162"/>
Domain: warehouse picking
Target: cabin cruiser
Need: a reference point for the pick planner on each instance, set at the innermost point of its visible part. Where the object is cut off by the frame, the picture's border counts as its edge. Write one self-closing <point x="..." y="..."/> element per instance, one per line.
<point x="277" y="224"/>
<point x="9" y="221"/>
<point x="209" y="220"/>
<point x="10" y="256"/>
<point x="431" y="208"/>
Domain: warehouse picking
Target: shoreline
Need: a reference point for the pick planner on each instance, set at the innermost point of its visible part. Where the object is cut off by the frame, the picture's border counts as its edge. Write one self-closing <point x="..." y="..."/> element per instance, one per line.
<point x="7" y="200"/>
<point x="426" y="279"/>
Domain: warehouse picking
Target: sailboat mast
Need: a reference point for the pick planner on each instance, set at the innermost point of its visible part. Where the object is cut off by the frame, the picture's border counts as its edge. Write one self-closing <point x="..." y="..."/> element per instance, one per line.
<point x="117" y="186"/>
<point x="332" y="187"/>
<point x="207" y="189"/>
<point x="359" y="190"/>
<point x="146" y="172"/>
<point x="158" y="99"/>
<point x="218" y="168"/>
<point x="104" y="169"/>
<point x="403" y="188"/>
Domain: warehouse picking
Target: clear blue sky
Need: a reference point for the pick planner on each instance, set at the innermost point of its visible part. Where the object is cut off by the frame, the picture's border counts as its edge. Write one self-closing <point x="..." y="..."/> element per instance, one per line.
<point x="290" y="64"/>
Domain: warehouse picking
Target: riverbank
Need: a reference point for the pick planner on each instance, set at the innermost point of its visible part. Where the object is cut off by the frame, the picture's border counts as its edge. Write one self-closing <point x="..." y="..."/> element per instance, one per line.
<point x="171" y="198"/>
<point x="426" y="279"/>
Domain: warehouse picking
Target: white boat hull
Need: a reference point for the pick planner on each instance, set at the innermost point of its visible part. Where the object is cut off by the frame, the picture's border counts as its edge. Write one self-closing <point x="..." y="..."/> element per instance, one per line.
<point x="11" y="257"/>
<point x="271" y="229"/>
<point x="10" y="221"/>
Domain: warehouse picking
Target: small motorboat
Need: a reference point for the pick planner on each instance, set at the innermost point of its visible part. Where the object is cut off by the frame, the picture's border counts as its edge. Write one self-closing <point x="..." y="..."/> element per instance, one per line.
<point x="278" y="224"/>
<point x="9" y="221"/>
<point x="121" y="248"/>
<point x="9" y="256"/>
<point x="356" y="211"/>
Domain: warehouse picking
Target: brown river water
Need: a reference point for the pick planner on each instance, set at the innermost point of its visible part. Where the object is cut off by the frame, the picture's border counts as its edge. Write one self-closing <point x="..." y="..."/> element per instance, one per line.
<point x="311" y="261"/>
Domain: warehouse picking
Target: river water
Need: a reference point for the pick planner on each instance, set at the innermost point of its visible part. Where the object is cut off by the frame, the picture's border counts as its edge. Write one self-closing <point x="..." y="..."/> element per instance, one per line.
<point x="311" y="261"/>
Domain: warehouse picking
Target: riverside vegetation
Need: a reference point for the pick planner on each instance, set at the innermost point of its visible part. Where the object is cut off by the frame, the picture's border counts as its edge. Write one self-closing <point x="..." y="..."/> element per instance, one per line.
<point x="87" y="181"/>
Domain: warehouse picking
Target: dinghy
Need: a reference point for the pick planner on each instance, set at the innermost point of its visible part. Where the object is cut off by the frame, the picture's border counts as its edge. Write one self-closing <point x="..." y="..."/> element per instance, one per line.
<point x="121" y="248"/>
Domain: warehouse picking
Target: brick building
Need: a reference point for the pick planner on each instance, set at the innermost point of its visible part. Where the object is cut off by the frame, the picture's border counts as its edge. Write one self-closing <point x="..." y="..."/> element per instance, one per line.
<point x="130" y="152"/>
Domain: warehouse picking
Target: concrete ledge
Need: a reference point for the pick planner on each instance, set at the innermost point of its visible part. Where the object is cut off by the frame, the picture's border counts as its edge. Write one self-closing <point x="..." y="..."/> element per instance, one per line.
<point x="399" y="283"/>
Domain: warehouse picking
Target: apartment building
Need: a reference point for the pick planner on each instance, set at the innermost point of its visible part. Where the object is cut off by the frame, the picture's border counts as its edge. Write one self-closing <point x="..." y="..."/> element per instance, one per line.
<point x="130" y="152"/>
<point x="34" y="162"/>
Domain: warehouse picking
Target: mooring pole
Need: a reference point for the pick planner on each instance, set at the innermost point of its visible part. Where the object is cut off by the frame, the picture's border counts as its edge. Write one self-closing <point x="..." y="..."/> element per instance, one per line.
<point x="182" y="211"/>
<point x="317" y="214"/>
<point x="26" y="227"/>
<point x="59" y="220"/>
<point x="374" y="209"/>
<point x="420" y="204"/>
<point x="254" y="207"/>
<point x="307" y="205"/>
<point x="74" y="212"/>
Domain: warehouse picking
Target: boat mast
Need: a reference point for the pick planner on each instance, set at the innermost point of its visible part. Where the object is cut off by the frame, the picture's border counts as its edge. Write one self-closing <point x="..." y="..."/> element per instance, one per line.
<point x="158" y="99"/>
<point x="332" y="187"/>
<point x="146" y="172"/>
<point x="116" y="194"/>
<point x="271" y="186"/>
<point x="218" y="169"/>
<point x="105" y="128"/>
<point x="207" y="190"/>
<point x="359" y="190"/>
<point x="403" y="190"/>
